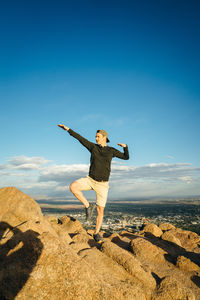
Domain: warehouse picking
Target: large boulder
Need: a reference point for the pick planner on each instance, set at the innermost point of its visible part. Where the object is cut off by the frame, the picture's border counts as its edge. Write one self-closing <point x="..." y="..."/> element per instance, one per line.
<point x="129" y="263"/>
<point x="144" y="250"/>
<point x="171" y="289"/>
<point x="23" y="212"/>
<point x="166" y="226"/>
<point x="17" y="207"/>
<point x="42" y="267"/>
<point x="123" y="284"/>
<point x="71" y="225"/>
<point x="36" y="262"/>
<point x="169" y="236"/>
<point x="153" y="229"/>
<point x="186" y="264"/>
<point x="188" y="239"/>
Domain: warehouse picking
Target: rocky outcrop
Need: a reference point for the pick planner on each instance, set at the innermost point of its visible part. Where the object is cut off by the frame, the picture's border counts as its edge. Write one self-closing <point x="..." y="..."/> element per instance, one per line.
<point x="43" y="257"/>
<point x="166" y="226"/>
<point x="129" y="263"/>
<point x="146" y="251"/>
<point x="186" y="264"/>
<point x="17" y="207"/>
<point x="168" y="236"/>
<point x="122" y="284"/>
<point x="153" y="229"/>
<point x="172" y="289"/>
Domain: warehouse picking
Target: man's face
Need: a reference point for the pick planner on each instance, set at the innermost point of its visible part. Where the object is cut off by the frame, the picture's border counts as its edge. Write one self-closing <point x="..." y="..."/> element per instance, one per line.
<point x="100" y="139"/>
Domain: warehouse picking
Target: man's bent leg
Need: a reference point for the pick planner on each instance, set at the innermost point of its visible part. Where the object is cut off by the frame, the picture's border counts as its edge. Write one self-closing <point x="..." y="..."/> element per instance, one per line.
<point x="75" y="188"/>
<point x="99" y="219"/>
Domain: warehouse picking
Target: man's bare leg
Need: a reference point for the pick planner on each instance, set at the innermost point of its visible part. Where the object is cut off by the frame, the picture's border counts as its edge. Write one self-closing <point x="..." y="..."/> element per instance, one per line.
<point x="99" y="219"/>
<point x="75" y="188"/>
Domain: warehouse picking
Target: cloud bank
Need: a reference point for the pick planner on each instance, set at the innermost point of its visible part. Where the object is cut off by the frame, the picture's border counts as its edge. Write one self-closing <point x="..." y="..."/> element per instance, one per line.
<point x="43" y="179"/>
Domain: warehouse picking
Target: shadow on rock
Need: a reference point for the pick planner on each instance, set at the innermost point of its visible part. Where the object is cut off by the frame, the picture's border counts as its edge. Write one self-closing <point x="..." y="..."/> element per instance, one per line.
<point x="19" y="252"/>
<point x="119" y="242"/>
<point x="173" y="250"/>
<point x="196" y="280"/>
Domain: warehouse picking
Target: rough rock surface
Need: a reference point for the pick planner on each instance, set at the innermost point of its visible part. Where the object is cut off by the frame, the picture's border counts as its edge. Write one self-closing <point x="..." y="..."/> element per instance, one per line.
<point x="49" y="258"/>
<point x="166" y="226"/>
<point x="14" y="206"/>
<point x="154" y="229"/>
<point x="186" y="264"/>
<point x="168" y="236"/>
<point x="171" y="289"/>
<point x="129" y="263"/>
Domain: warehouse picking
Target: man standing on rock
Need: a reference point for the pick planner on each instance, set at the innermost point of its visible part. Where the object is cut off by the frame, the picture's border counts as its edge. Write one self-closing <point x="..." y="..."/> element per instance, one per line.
<point x="99" y="172"/>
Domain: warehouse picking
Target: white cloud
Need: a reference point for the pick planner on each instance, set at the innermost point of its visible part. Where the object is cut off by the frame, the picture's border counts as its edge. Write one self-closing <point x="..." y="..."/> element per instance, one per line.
<point x="26" y="163"/>
<point x="187" y="179"/>
<point x="34" y="176"/>
<point x="62" y="188"/>
<point x="63" y="173"/>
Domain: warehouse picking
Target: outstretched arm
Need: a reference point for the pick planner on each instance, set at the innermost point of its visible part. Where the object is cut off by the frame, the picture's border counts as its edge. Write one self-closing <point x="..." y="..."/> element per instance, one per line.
<point x="77" y="136"/>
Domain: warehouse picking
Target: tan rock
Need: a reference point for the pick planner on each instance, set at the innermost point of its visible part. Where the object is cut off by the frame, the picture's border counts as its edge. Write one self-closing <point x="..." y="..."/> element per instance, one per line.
<point x="71" y="225"/>
<point x="40" y="227"/>
<point x="166" y="226"/>
<point x="42" y="267"/>
<point x="193" y="241"/>
<point x="186" y="264"/>
<point x="171" y="289"/>
<point x="22" y="212"/>
<point x="121" y="241"/>
<point x="153" y="229"/>
<point x="78" y="247"/>
<point x="129" y="263"/>
<point x="64" y="219"/>
<point x="90" y="232"/>
<point x="47" y="258"/>
<point x="81" y="237"/>
<point x="51" y="219"/>
<point x="119" y="280"/>
<point x="144" y="250"/>
<point x="63" y="235"/>
<point x="17" y="207"/>
<point x="168" y="236"/>
<point x="189" y="240"/>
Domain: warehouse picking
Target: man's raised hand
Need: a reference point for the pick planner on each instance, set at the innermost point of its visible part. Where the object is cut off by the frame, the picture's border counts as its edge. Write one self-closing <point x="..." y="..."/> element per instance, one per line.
<point x="63" y="127"/>
<point x="122" y="145"/>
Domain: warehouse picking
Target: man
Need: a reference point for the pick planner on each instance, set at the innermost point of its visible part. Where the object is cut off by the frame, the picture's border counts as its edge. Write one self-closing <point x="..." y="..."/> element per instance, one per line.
<point x="99" y="172"/>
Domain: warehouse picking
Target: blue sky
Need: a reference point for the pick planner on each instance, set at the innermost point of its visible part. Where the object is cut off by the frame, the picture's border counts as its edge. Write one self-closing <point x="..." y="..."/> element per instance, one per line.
<point x="130" y="67"/>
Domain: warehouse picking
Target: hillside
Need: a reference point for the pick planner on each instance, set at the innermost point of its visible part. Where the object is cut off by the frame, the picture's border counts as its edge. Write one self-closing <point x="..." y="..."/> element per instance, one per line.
<point x="43" y="257"/>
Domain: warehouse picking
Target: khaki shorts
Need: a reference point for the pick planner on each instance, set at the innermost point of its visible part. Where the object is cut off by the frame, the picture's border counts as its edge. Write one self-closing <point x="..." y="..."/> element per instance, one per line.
<point x="101" y="189"/>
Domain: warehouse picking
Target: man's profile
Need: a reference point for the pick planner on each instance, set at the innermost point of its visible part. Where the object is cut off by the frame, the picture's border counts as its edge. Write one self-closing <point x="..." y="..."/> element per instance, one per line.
<point x="99" y="172"/>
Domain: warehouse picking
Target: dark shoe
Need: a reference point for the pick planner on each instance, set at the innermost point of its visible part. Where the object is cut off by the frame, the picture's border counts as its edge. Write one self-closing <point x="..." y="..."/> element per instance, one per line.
<point x="97" y="237"/>
<point x="89" y="211"/>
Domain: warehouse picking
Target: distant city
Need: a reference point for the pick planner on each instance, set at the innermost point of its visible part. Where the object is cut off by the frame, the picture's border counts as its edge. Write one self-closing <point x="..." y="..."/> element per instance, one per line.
<point x="131" y="215"/>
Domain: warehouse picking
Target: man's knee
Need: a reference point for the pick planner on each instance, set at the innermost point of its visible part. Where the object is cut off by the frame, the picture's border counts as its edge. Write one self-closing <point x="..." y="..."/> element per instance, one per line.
<point x="74" y="187"/>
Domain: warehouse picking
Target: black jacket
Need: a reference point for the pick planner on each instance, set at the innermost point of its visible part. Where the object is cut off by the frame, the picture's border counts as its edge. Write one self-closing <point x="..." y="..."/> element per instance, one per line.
<point x="101" y="157"/>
